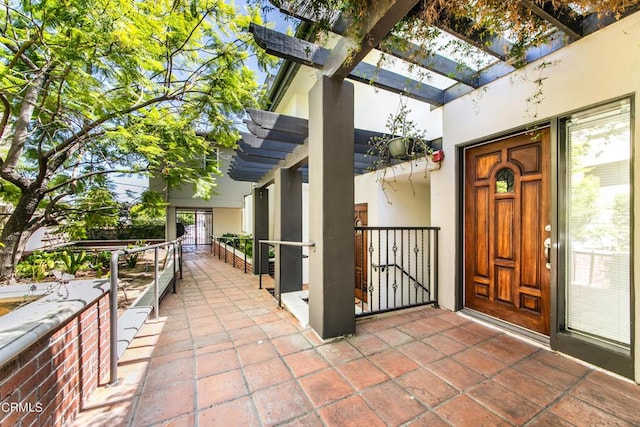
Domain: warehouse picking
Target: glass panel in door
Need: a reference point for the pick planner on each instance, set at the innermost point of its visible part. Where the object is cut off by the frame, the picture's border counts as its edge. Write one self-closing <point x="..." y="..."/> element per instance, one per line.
<point x="598" y="223"/>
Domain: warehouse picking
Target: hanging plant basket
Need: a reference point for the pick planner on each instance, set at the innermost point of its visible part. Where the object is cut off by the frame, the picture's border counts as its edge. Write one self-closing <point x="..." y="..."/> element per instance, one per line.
<point x="402" y="148"/>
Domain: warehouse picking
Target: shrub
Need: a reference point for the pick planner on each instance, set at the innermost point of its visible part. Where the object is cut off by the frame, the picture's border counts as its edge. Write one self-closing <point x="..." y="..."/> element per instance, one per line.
<point x="36" y="266"/>
<point x="73" y="261"/>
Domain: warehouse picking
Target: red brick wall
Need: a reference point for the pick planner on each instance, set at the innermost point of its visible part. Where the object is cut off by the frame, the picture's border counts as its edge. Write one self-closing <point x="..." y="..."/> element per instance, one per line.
<point x="49" y="382"/>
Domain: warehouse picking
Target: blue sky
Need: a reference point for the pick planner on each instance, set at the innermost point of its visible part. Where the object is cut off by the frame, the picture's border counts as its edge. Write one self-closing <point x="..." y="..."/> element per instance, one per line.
<point x="272" y="18"/>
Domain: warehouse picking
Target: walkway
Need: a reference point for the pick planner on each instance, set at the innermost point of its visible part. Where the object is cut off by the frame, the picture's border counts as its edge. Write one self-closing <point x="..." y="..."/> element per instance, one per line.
<point x="223" y="354"/>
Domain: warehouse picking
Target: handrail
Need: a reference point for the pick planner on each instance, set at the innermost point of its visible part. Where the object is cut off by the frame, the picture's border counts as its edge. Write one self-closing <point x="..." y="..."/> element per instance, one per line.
<point x="278" y="243"/>
<point x="397" y="228"/>
<point x="402" y="270"/>
<point x="288" y="243"/>
<point x="222" y="239"/>
<point x="113" y="294"/>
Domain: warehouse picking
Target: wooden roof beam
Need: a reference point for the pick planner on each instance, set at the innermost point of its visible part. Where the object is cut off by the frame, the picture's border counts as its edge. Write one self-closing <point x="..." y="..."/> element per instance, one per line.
<point x="563" y="18"/>
<point x="380" y="20"/>
<point x="501" y="69"/>
<point x="464" y="29"/>
<point x="439" y="64"/>
<point x="306" y="53"/>
<point x="409" y="52"/>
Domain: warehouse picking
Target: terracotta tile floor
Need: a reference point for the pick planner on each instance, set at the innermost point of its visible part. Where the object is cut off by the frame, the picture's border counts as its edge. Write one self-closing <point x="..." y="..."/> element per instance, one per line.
<point x="223" y="354"/>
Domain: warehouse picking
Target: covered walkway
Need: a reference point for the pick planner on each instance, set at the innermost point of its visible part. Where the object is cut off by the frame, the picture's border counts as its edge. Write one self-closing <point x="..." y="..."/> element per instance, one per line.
<point x="223" y="353"/>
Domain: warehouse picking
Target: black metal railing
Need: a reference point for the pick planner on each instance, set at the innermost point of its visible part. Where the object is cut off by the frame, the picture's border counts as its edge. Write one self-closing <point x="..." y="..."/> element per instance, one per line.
<point x="396" y="267"/>
<point x="232" y="247"/>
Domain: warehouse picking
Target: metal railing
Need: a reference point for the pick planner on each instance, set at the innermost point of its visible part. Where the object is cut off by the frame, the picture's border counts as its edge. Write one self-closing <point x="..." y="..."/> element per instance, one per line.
<point x="277" y="243"/>
<point x="397" y="268"/>
<point x="176" y="249"/>
<point x="225" y="241"/>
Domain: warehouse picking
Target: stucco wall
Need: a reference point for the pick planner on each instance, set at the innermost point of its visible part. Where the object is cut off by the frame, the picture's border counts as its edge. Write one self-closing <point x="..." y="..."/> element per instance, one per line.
<point x="372" y="106"/>
<point x="598" y="68"/>
<point x="400" y="204"/>
<point x="227" y="220"/>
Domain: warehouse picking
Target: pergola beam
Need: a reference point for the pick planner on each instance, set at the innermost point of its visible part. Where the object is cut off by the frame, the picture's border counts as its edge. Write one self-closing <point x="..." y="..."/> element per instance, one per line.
<point x="410" y="52"/>
<point x="312" y="55"/>
<point x="501" y="69"/>
<point x="276" y="135"/>
<point x="380" y="19"/>
<point x="252" y="141"/>
<point x="483" y="39"/>
<point x="268" y="120"/>
<point x="563" y="18"/>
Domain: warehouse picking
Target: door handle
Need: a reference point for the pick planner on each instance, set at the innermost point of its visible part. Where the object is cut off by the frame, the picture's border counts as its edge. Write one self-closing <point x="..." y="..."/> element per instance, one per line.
<point x="547" y="252"/>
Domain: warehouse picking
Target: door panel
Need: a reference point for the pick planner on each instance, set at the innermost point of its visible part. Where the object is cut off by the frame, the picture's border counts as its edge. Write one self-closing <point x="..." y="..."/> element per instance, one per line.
<point x="506" y="210"/>
<point x="360" y="220"/>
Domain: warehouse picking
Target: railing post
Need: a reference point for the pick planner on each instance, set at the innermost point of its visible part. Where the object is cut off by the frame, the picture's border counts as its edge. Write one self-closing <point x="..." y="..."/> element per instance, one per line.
<point x="244" y="251"/>
<point x="156" y="296"/>
<point x="113" y="320"/>
<point x="180" y="257"/>
<point x="259" y="265"/>
<point x="174" y="246"/>
<point x="234" y="252"/>
<point x="435" y="270"/>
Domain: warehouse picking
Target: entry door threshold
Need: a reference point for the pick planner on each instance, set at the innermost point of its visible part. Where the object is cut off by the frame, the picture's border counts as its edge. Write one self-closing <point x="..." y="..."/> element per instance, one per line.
<point x="511" y="328"/>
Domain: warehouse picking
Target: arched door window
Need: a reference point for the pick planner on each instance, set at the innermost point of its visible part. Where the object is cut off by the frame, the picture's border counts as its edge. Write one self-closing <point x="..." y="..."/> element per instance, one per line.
<point x="504" y="181"/>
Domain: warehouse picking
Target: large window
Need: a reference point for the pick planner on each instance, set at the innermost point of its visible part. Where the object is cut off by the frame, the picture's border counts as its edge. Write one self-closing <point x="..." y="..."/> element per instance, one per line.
<point x="598" y="223"/>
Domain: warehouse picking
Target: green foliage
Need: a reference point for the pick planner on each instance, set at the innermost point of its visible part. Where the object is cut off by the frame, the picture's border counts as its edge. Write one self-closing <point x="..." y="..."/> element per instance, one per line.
<point x="36" y="266"/>
<point x="102" y="257"/>
<point x="101" y="263"/>
<point x="150" y="231"/>
<point x="90" y="89"/>
<point x="73" y="261"/>
<point x="242" y="242"/>
<point x="132" y="259"/>
<point x="151" y="209"/>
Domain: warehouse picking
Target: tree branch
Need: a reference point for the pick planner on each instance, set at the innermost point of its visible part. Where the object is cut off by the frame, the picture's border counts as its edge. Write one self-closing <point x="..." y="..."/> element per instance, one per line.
<point x="21" y="131"/>
<point x="87" y="128"/>
<point x="89" y="175"/>
<point x="19" y="53"/>
<point x="5" y="117"/>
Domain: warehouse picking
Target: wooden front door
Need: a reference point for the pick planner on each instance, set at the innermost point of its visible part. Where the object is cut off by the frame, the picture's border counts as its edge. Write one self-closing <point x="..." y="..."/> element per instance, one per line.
<point x="360" y="220"/>
<point x="506" y="211"/>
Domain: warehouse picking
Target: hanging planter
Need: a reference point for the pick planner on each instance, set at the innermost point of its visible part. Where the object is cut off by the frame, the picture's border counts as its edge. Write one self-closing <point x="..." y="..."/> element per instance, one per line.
<point x="404" y="143"/>
<point x="402" y="148"/>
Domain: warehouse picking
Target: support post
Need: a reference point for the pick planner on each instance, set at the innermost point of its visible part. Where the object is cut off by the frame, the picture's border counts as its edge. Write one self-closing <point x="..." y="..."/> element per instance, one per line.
<point x="331" y="198"/>
<point x="288" y="227"/>
<point x="260" y="229"/>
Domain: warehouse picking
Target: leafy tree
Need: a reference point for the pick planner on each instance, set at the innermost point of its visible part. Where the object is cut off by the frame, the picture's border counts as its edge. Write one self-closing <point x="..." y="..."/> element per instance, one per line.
<point x="92" y="88"/>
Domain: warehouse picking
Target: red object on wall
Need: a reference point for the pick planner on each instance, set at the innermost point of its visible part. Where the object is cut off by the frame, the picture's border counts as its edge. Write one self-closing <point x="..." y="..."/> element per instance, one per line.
<point x="437" y="156"/>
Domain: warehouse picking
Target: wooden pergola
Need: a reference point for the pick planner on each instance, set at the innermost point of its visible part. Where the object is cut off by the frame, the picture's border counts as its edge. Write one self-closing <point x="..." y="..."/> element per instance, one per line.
<point x="279" y="141"/>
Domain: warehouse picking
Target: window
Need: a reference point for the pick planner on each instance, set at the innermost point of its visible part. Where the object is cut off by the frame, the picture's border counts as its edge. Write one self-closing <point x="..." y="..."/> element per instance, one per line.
<point x="598" y="223"/>
<point x="504" y="181"/>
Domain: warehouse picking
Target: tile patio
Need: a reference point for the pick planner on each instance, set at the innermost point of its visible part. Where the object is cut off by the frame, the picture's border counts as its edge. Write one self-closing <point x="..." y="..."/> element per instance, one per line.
<point x="223" y="354"/>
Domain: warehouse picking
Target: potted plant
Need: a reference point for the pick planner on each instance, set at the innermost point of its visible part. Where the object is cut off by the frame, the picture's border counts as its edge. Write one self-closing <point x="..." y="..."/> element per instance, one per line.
<point x="404" y="142"/>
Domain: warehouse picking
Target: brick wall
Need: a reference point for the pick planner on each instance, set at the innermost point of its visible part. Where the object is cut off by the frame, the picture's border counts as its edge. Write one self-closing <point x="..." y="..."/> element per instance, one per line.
<point x="49" y="382"/>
